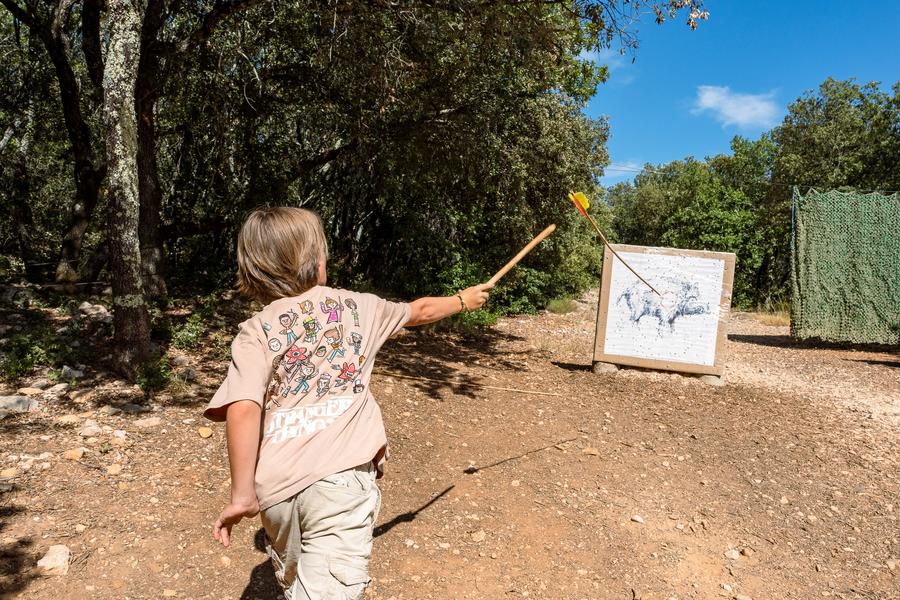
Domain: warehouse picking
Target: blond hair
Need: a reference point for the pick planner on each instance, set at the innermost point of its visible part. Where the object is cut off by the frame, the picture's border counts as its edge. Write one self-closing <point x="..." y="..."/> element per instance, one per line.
<point x="279" y="250"/>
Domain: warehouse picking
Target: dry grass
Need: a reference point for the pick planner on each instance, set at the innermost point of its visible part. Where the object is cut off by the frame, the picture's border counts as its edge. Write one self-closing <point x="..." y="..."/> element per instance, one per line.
<point x="776" y="319"/>
<point x="561" y="306"/>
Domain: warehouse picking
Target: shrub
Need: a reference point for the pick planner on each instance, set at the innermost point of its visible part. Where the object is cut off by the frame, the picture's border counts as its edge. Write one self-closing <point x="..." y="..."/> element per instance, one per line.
<point x="189" y="334"/>
<point x="561" y="306"/>
<point x="156" y="375"/>
<point x="39" y="347"/>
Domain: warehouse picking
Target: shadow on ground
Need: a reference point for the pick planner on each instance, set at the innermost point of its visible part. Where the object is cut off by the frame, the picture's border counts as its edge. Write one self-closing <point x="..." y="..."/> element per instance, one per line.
<point x="407" y="517"/>
<point x="262" y="584"/>
<point x="786" y="341"/>
<point x="895" y="364"/>
<point x="16" y="557"/>
<point x="571" y="366"/>
<point x="421" y="353"/>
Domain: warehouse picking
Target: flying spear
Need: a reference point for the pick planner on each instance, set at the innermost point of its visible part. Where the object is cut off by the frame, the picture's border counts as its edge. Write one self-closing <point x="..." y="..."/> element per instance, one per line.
<point x="581" y="203"/>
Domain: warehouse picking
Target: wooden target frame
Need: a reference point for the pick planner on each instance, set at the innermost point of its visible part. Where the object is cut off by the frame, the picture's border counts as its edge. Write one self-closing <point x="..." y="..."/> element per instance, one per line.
<point x="603" y="312"/>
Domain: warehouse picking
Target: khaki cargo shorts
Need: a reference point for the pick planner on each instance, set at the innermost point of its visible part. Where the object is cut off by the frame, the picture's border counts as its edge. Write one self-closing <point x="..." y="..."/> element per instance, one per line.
<point x="320" y="540"/>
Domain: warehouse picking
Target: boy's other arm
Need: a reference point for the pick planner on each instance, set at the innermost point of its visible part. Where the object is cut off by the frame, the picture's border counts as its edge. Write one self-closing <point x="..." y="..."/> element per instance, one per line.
<point x="242" y="425"/>
<point x="429" y="310"/>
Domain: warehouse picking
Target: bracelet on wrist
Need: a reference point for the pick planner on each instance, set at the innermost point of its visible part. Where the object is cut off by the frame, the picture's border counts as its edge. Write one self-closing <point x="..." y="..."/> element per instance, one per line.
<point x="462" y="304"/>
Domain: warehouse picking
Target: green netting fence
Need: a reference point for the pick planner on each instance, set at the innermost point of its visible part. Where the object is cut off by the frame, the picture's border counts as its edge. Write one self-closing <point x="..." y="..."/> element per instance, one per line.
<point x="845" y="267"/>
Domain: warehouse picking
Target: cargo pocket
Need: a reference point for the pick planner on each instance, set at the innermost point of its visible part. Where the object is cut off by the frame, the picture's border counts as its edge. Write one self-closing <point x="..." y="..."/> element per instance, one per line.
<point x="350" y="578"/>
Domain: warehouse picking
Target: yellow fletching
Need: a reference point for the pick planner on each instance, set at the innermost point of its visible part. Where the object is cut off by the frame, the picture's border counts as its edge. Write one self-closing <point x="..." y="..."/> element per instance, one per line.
<point x="582" y="200"/>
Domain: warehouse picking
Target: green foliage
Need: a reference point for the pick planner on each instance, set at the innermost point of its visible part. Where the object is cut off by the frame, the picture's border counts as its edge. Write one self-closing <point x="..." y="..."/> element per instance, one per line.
<point x="470" y="322"/>
<point x="190" y="333"/>
<point x="433" y="142"/>
<point x="40" y="346"/>
<point x="219" y="346"/>
<point x="21" y="354"/>
<point x="561" y="306"/>
<point x="155" y="375"/>
<point x="844" y="136"/>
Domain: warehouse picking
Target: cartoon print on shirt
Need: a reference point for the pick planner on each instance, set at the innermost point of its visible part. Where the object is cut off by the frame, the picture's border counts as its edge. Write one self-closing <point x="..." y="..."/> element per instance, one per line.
<point x="358" y="386"/>
<point x="294" y="355"/>
<point x="333" y="338"/>
<point x="348" y="372"/>
<point x="274" y="344"/>
<point x="306" y="371"/>
<point x="267" y="328"/>
<point x="320" y="351"/>
<point x="276" y="385"/>
<point x="362" y="360"/>
<point x="295" y="360"/>
<point x="288" y="320"/>
<point x="333" y="308"/>
<point x="351" y="304"/>
<point x="307" y="307"/>
<point x="323" y="384"/>
<point x="356" y="341"/>
<point x="312" y="327"/>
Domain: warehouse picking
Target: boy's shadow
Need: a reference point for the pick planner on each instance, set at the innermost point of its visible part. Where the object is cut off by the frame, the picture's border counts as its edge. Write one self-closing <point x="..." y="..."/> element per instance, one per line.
<point x="262" y="584"/>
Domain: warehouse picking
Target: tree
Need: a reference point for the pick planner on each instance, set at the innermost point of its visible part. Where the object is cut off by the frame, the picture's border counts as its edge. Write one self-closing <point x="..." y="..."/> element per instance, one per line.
<point x="48" y="23"/>
<point x="688" y="204"/>
<point x="131" y="319"/>
<point x="32" y="150"/>
<point x="437" y="125"/>
<point x="846" y="135"/>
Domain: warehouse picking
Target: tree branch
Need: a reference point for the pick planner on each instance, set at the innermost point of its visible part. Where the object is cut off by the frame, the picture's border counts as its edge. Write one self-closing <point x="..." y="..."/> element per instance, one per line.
<point x="220" y="11"/>
<point x="93" y="52"/>
<point x="7" y="135"/>
<point x="186" y="228"/>
<point x="19" y="13"/>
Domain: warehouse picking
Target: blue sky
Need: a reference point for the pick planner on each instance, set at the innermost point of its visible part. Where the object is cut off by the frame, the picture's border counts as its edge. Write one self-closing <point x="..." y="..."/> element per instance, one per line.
<point x="687" y="93"/>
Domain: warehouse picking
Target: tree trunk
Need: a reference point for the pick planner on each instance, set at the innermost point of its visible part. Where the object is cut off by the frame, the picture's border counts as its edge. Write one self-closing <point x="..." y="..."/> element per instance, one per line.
<point x="94" y="265"/>
<point x="130" y="317"/>
<point x="146" y="95"/>
<point x="20" y="209"/>
<point x="152" y="256"/>
<point x="88" y="174"/>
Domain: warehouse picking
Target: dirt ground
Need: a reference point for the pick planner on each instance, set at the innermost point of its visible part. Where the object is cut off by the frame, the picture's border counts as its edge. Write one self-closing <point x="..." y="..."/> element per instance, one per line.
<point x="782" y="484"/>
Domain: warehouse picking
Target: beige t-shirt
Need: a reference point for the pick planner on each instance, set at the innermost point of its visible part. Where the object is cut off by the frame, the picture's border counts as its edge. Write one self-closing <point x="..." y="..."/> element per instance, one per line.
<point x="307" y="361"/>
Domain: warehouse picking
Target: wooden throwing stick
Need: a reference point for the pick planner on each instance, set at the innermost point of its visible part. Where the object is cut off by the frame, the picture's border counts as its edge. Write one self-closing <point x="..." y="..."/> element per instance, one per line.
<point x="537" y="240"/>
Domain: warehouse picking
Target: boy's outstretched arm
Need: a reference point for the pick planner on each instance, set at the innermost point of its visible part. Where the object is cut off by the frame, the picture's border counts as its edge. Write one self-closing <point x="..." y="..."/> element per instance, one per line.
<point x="242" y="423"/>
<point x="429" y="310"/>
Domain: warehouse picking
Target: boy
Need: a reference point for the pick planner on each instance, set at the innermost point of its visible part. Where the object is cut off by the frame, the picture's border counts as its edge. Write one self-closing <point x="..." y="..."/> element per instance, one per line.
<point x="307" y="460"/>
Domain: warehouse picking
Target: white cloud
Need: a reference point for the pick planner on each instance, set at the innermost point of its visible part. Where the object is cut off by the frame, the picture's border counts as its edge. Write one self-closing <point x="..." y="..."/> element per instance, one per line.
<point x="620" y="170"/>
<point x="625" y="166"/>
<point x="732" y="108"/>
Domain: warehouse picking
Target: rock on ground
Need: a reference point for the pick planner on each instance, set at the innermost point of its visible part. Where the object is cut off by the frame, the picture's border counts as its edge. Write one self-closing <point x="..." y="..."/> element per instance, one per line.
<point x="56" y="561"/>
<point x="602" y="367"/>
<point x="90" y="429"/>
<point x="71" y="373"/>
<point x="16" y="404"/>
<point x="59" y="388"/>
<point x="148" y="422"/>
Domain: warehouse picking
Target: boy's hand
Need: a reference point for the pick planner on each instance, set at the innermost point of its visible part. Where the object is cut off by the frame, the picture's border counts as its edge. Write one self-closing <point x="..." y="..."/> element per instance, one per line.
<point x="231" y="515"/>
<point x="476" y="296"/>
